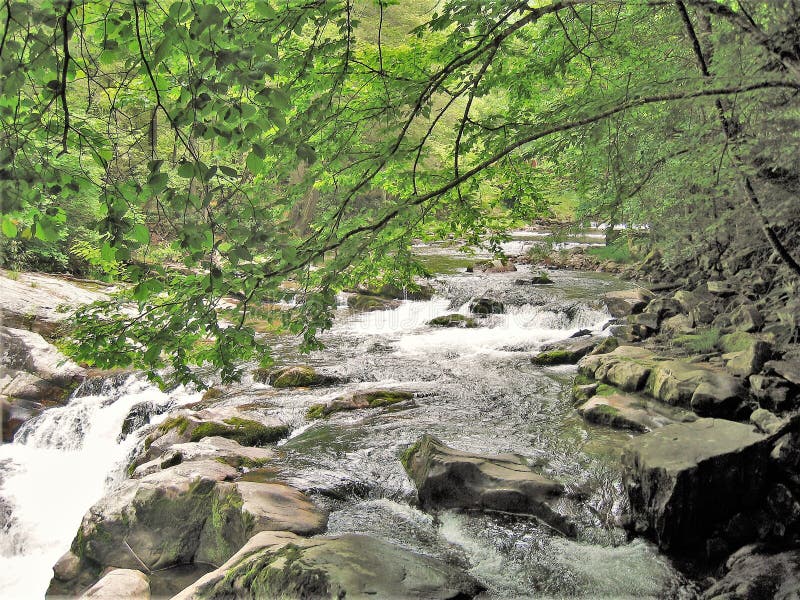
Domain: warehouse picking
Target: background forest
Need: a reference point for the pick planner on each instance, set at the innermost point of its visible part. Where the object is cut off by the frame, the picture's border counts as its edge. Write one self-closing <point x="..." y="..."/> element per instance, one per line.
<point x="203" y="150"/>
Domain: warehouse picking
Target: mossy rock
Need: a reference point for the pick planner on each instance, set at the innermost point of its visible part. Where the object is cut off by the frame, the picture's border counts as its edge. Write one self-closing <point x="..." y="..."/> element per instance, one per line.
<point x="367" y="303"/>
<point x="243" y="431"/>
<point x="486" y="306"/>
<point x="609" y="344"/>
<point x="552" y="357"/>
<point x="453" y="320"/>
<point x="298" y="376"/>
<point x="359" y="400"/>
<point x="541" y="278"/>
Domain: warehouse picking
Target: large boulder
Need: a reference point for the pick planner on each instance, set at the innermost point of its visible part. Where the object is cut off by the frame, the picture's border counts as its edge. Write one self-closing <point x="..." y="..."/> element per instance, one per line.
<point x="632" y="412"/>
<point x="43" y="303"/>
<point x="566" y="352"/>
<point x="627" y="302"/>
<point x="450" y="478"/>
<point x="120" y="584"/>
<point x="710" y="392"/>
<point x="34" y="369"/>
<point x="281" y="565"/>
<point x="686" y="479"/>
<point x="190" y="512"/>
<point x="755" y="575"/>
<point x="625" y="367"/>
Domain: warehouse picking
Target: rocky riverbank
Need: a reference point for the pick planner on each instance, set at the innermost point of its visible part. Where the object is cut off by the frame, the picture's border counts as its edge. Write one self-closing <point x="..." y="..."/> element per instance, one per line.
<point x="704" y="379"/>
<point x="707" y="379"/>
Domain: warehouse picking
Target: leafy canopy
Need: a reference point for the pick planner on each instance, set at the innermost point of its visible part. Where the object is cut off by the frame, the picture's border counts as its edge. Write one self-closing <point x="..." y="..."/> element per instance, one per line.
<point x="244" y="160"/>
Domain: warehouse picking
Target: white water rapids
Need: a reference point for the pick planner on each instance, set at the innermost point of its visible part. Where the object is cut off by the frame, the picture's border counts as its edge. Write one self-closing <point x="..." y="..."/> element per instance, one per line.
<point x="477" y="390"/>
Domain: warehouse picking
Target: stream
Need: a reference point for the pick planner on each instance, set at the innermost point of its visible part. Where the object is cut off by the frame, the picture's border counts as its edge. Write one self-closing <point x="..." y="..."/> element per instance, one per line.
<point x="475" y="389"/>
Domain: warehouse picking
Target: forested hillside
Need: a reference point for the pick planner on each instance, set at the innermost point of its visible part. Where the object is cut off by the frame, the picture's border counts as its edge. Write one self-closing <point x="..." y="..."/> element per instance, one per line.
<point x="203" y="150"/>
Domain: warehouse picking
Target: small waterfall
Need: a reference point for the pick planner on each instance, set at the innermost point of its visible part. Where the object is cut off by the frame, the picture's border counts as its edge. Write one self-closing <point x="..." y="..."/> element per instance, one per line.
<point x="60" y="463"/>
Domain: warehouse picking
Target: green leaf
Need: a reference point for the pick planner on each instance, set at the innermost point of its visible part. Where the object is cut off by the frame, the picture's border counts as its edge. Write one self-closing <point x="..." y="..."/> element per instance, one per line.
<point x="141" y="234"/>
<point x="8" y="227"/>
<point x="254" y="163"/>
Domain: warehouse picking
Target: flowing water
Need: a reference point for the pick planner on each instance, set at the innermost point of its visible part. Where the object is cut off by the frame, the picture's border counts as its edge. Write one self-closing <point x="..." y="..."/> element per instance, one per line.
<point x="475" y="389"/>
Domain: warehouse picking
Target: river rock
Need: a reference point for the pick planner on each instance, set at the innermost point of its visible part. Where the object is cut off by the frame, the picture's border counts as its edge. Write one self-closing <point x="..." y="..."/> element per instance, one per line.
<point x="649" y="321"/>
<point x="747" y="318"/>
<point x="5" y="420"/>
<point x="188" y="512"/>
<point x="486" y="306"/>
<point x="627" y="302"/>
<point x="359" y="400"/>
<point x="750" y="360"/>
<point x="677" y="325"/>
<point x="120" y="584"/>
<point x="685" y="479"/>
<point x="189" y="426"/>
<point x="215" y="448"/>
<point x="758" y="575"/>
<point x="281" y="565"/>
<point x="788" y="369"/>
<point x="453" y="320"/>
<point x="626" y="367"/>
<point x="773" y="393"/>
<point x="720" y="288"/>
<point x="41" y="303"/>
<point x="368" y="303"/>
<point x="631" y="412"/>
<point x="664" y="308"/>
<point x="298" y="376"/>
<point x="34" y="369"/>
<point x="449" y="478"/>
<point x="493" y="266"/>
<point x="566" y="352"/>
<point x="709" y="391"/>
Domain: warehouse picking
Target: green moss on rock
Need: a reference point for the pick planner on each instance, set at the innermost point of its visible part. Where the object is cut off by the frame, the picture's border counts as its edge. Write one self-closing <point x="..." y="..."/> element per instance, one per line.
<point x="453" y="320"/>
<point x="243" y="431"/>
<point x="553" y="357"/>
<point x="408" y="454"/>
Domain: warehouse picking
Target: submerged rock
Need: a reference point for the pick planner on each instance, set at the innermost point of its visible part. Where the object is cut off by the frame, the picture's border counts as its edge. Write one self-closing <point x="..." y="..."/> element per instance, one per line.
<point x="450" y="478"/>
<point x="686" y="479"/>
<point x="566" y="352"/>
<point x="486" y="306"/>
<point x="359" y="400"/>
<point x="281" y="565"/>
<point x="453" y="320"/>
<point x="368" y="303"/>
<point x="295" y="376"/>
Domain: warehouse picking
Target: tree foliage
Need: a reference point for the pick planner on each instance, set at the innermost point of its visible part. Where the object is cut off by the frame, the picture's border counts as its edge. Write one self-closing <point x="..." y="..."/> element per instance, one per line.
<point x="258" y="142"/>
